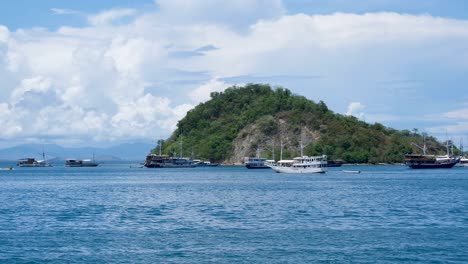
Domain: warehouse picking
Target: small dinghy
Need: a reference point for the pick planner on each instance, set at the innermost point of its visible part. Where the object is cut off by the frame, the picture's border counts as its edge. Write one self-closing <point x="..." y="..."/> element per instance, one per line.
<point x="351" y="171"/>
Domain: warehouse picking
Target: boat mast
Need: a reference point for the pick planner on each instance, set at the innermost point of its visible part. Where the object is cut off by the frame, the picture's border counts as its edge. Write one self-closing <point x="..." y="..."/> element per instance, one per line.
<point x="447" y="144"/>
<point x="281" y="149"/>
<point x="160" y="143"/>
<point x="181" y="147"/>
<point x="423" y="148"/>
<point x="273" y="149"/>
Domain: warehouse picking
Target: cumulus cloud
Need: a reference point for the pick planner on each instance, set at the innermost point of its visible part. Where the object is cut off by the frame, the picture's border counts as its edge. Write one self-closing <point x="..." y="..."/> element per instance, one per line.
<point x="4" y="33"/>
<point x="202" y="93"/>
<point x="356" y="109"/>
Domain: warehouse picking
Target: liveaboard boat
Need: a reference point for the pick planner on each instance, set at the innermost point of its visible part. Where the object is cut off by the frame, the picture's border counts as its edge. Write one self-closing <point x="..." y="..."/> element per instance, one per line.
<point x="418" y="161"/>
<point x="255" y="163"/>
<point x="32" y="162"/>
<point x="463" y="162"/>
<point x="80" y="163"/>
<point x="303" y="164"/>
<point x="165" y="161"/>
<point x="424" y="161"/>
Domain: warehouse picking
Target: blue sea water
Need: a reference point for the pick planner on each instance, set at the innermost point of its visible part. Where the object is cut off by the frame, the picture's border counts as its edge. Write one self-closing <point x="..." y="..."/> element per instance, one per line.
<point x="117" y="213"/>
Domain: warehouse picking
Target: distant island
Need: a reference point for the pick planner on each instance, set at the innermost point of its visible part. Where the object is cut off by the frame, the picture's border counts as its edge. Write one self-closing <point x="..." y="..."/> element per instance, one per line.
<point x="259" y="120"/>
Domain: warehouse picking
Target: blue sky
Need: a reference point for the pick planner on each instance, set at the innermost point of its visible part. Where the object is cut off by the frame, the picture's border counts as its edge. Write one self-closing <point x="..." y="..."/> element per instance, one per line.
<point x="106" y="72"/>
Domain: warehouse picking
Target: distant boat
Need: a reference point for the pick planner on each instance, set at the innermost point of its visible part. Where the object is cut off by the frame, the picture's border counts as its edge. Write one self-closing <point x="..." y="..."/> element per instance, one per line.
<point x="418" y="161"/>
<point x="255" y="163"/>
<point x="351" y="171"/>
<point x="201" y="163"/>
<point x="80" y="163"/>
<point x="32" y="162"/>
<point x="423" y="161"/>
<point x="304" y="164"/>
<point x="7" y="168"/>
<point x="164" y="161"/>
<point x="463" y="162"/>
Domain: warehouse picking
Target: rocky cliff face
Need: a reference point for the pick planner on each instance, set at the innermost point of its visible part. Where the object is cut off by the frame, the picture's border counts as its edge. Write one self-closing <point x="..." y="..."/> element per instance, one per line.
<point x="267" y="139"/>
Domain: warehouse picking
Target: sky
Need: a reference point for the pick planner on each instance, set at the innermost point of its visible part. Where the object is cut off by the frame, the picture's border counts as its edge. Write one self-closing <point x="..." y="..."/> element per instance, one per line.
<point x="101" y="73"/>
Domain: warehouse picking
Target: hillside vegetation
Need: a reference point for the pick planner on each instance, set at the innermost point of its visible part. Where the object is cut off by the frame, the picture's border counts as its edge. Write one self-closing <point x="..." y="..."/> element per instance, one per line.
<point x="244" y="121"/>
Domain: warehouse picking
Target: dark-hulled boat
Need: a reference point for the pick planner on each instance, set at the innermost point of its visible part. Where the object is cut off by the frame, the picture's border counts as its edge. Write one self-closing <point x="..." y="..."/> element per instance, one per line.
<point x="165" y="161"/>
<point x="80" y="163"/>
<point x="418" y="161"/>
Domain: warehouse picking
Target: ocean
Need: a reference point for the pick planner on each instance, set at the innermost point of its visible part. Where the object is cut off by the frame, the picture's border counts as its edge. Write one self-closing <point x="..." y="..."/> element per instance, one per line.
<point x="119" y="213"/>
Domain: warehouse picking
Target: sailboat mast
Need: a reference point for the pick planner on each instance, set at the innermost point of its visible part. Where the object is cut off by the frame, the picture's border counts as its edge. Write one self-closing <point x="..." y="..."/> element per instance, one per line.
<point x="273" y="149"/>
<point x="160" y="143"/>
<point x="281" y="149"/>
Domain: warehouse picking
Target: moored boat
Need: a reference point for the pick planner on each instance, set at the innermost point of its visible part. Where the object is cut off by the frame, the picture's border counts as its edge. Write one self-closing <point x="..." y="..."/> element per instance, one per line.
<point x="418" y="161"/>
<point x="424" y="161"/>
<point x="255" y="163"/>
<point x="165" y="161"/>
<point x="201" y="163"/>
<point x="80" y="163"/>
<point x="463" y="162"/>
<point x="32" y="162"/>
<point x="304" y="164"/>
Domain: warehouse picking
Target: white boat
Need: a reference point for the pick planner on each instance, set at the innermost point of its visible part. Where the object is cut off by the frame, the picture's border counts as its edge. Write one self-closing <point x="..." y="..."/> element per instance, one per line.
<point x="31" y="162"/>
<point x="304" y="164"/>
<point x="463" y="162"/>
<point x="255" y="163"/>
<point x="351" y="171"/>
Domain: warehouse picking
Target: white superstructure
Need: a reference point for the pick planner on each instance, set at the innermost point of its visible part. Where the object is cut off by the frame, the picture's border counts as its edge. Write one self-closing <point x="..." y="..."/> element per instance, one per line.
<point x="304" y="164"/>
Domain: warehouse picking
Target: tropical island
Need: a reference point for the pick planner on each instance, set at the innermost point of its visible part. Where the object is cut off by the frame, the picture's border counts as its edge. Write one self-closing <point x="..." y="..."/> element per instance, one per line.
<point x="258" y="120"/>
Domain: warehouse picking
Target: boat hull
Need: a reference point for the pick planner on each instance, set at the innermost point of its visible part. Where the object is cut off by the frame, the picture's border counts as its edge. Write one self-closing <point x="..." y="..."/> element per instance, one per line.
<point x="170" y="165"/>
<point x="248" y="166"/>
<point x="432" y="166"/>
<point x="296" y="170"/>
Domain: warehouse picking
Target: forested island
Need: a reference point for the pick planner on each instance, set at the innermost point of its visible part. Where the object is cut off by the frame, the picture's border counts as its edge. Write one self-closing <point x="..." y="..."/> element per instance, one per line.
<point x="257" y="119"/>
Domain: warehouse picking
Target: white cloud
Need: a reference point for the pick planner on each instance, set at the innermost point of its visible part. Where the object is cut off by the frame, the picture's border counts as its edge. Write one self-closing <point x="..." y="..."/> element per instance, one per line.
<point x="4" y="34"/>
<point x="458" y="114"/>
<point x="202" y="93"/>
<point x="61" y="11"/>
<point x="37" y="85"/>
<point x="356" y="109"/>
<point x="107" y="17"/>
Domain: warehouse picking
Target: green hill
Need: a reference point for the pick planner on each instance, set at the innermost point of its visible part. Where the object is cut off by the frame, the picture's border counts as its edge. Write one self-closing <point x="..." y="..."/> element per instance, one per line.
<point x="242" y="121"/>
